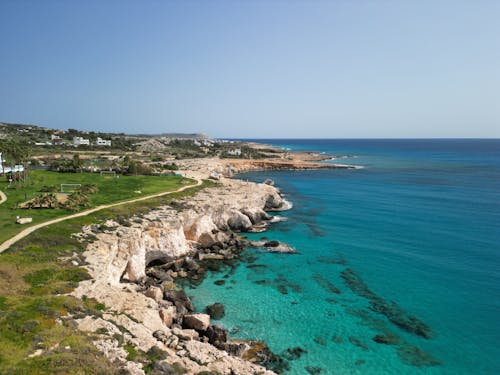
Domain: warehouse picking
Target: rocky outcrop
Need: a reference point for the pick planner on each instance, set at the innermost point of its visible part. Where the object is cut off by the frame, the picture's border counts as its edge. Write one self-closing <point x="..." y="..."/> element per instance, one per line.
<point x="185" y="240"/>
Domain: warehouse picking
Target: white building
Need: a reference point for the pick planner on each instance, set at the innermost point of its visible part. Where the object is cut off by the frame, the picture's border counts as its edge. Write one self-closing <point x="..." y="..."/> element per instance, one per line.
<point x="78" y="141"/>
<point x="235" y="152"/>
<point x="102" y="142"/>
<point x="3" y="169"/>
<point x="56" y="139"/>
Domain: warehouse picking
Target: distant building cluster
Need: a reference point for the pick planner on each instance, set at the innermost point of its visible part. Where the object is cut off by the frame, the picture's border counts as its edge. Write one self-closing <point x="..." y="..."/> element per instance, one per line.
<point x="203" y="142"/>
<point x="235" y="152"/>
<point x="4" y="169"/>
<point x="80" y="141"/>
<point x="102" y="142"/>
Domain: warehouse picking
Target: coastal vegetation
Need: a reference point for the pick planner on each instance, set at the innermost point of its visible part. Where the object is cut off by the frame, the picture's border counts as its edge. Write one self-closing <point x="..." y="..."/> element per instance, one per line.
<point x="104" y="189"/>
<point x="37" y="330"/>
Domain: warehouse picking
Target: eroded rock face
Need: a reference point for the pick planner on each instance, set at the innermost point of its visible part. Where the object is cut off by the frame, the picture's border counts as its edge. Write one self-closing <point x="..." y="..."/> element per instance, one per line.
<point x="118" y="259"/>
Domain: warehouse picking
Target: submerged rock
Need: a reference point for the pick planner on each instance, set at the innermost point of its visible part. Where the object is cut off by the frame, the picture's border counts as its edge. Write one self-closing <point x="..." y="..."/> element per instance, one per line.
<point x="386" y="339"/>
<point x="332" y="260"/>
<point x="391" y="310"/>
<point x="320" y="340"/>
<point x="358" y="343"/>
<point x="413" y="356"/>
<point x="292" y="354"/>
<point x="326" y="284"/>
<point x="259" y="353"/>
<point x="313" y="370"/>
<point x="337" y="339"/>
<point x="216" y="335"/>
<point x="216" y="311"/>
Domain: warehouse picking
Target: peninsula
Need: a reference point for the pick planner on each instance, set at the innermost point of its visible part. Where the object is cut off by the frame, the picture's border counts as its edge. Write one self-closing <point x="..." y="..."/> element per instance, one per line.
<point x="109" y="274"/>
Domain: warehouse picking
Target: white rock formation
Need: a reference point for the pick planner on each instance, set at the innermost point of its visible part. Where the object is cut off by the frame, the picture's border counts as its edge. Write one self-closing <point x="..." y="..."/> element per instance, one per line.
<point x="121" y="256"/>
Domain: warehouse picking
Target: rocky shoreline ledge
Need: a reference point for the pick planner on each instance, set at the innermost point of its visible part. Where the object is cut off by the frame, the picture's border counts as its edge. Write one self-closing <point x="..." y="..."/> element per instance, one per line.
<point x="136" y="268"/>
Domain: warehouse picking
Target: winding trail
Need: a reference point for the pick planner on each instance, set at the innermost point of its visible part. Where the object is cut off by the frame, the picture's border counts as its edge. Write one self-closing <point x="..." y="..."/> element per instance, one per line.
<point x="11" y="241"/>
<point x="3" y="197"/>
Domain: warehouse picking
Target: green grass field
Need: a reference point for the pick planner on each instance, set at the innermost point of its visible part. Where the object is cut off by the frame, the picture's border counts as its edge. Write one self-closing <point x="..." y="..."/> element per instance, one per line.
<point x="111" y="190"/>
<point x="33" y="280"/>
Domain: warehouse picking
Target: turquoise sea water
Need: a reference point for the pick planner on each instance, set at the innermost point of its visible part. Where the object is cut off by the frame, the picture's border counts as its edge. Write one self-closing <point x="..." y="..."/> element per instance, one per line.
<point x="420" y="225"/>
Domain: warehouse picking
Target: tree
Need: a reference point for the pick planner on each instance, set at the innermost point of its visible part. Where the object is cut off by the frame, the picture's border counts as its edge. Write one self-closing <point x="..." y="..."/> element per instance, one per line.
<point x="77" y="163"/>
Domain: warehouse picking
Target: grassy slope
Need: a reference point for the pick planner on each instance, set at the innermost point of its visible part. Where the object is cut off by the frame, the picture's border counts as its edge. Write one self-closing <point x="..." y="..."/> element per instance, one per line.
<point x="110" y="190"/>
<point x="32" y="278"/>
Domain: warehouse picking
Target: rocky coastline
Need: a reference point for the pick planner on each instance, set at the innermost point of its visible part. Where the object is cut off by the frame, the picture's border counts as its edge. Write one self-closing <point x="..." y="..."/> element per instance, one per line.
<point x="136" y="269"/>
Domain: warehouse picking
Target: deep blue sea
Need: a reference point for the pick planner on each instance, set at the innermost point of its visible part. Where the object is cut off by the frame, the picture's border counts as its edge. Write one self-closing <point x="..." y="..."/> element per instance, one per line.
<point x="418" y="226"/>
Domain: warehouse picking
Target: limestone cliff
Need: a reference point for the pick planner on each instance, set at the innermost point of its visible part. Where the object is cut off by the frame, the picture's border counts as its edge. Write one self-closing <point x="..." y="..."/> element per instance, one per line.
<point x="118" y="259"/>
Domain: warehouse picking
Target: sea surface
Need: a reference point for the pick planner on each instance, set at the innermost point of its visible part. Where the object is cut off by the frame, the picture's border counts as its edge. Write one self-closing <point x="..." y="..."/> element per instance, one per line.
<point x="418" y="227"/>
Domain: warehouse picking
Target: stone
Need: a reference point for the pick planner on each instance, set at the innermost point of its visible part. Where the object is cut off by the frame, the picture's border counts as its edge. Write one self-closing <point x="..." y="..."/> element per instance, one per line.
<point x="271" y="243"/>
<point x="160" y="335"/>
<point x="199" y="322"/>
<point x="167" y="315"/>
<point x="216" y="311"/>
<point x="269" y="182"/>
<point x="191" y="264"/>
<point x="282" y="248"/>
<point x="186" y="334"/>
<point x="258" y="352"/>
<point x="180" y="300"/>
<point x="24" y="220"/>
<point x="168" y="286"/>
<point x="238" y="221"/>
<point x="155" y="293"/>
<point x="256" y="215"/>
<point x="216" y="335"/>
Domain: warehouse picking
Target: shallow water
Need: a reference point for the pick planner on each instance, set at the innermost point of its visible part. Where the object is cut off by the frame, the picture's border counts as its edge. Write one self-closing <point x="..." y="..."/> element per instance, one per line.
<point x="420" y="225"/>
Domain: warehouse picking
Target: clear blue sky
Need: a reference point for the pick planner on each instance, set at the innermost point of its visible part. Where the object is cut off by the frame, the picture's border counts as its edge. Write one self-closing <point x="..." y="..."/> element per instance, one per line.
<point x="254" y="68"/>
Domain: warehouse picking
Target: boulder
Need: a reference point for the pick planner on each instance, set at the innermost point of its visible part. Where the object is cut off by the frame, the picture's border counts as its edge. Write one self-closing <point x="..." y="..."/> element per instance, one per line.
<point x="199" y="322"/>
<point x="155" y="293"/>
<point x="196" y="226"/>
<point x="271" y="244"/>
<point x="216" y="311"/>
<point x="216" y="335"/>
<point x="238" y="221"/>
<point x="269" y="182"/>
<point x="186" y="334"/>
<point x="180" y="299"/>
<point x="256" y="215"/>
<point x="282" y="248"/>
<point x="273" y="201"/>
<point x="167" y="315"/>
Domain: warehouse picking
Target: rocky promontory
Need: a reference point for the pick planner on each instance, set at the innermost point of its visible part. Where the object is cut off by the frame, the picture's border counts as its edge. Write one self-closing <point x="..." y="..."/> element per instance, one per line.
<point x="134" y="267"/>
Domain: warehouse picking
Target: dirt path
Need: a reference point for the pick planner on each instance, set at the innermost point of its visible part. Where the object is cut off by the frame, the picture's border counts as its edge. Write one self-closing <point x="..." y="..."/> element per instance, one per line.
<point x="3" y="197"/>
<point x="4" y="246"/>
